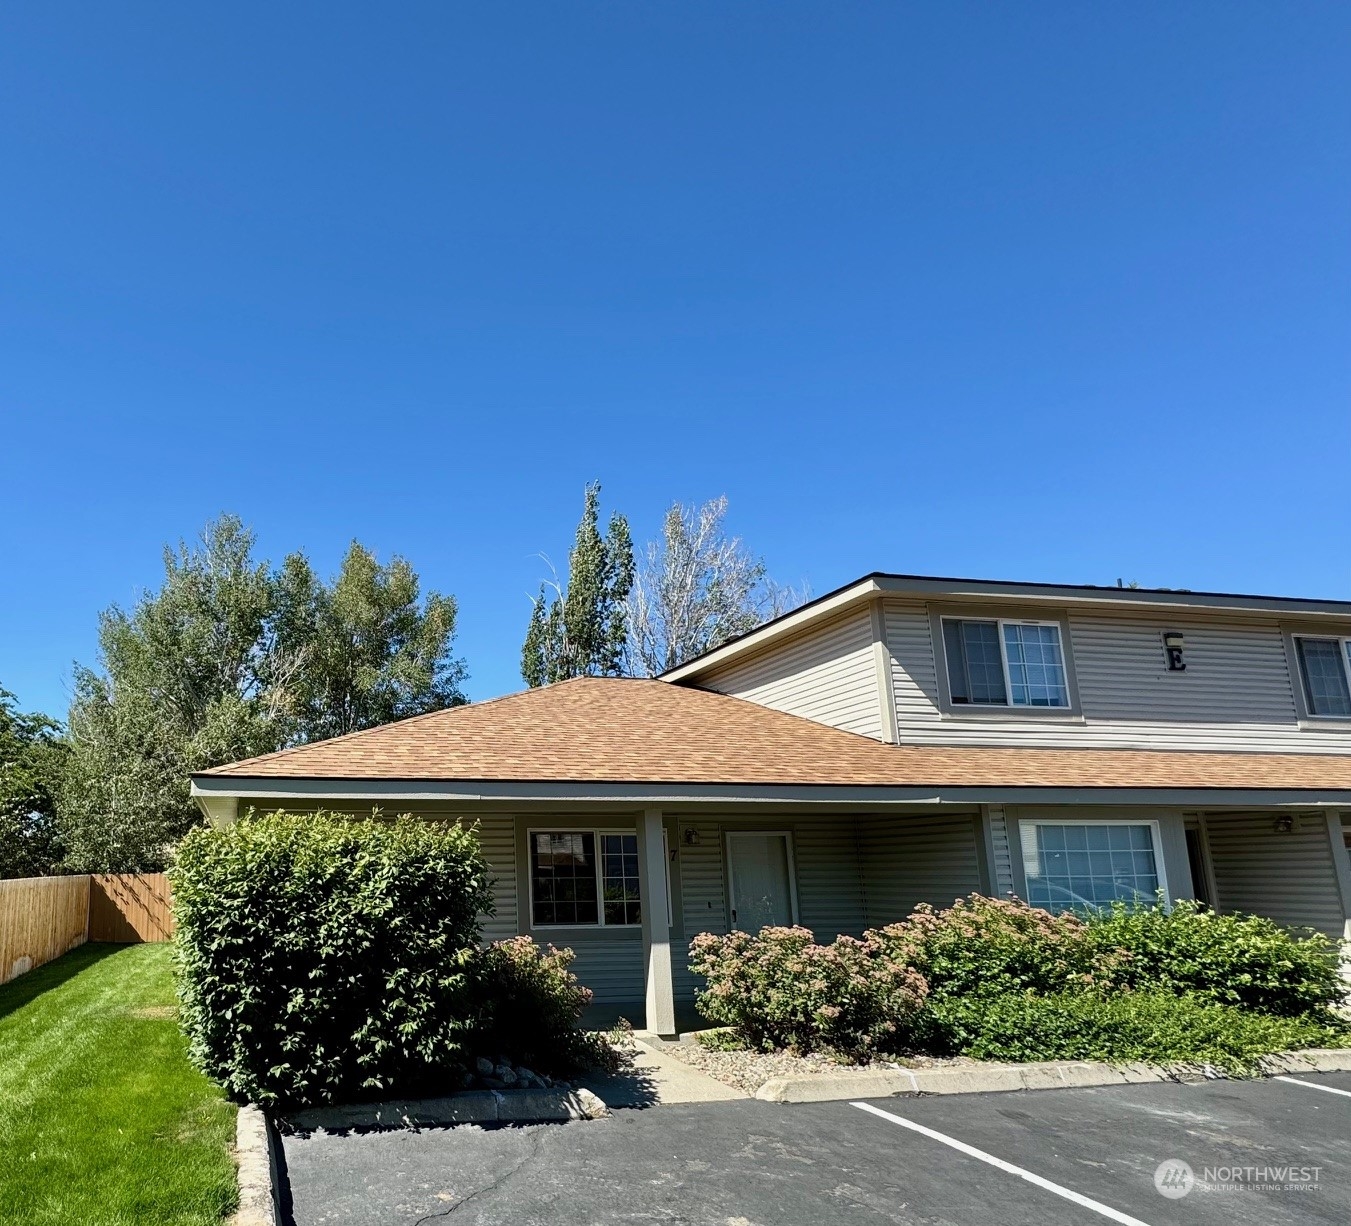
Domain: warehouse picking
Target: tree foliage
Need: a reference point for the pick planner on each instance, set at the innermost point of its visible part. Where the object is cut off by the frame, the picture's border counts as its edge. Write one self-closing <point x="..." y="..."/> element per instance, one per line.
<point x="232" y="658"/>
<point x="696" y="588"/>
<point x="583" y="628"/>
<point x="371" y="650"/>
<point x="32" y="754"/>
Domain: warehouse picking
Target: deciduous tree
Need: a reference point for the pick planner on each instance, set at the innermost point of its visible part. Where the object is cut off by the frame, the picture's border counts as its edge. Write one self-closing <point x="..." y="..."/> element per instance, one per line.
<point x="696" y="588"/>
<point x="370" y="647"/>
<point x="32" y="756"/>
<point x="231" y="658"/>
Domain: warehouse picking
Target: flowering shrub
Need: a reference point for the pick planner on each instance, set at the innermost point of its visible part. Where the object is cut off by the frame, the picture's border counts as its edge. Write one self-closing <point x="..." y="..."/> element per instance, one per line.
<point x="779" y="989"/>
<point x="998" y="979"/>
<point x="986" y="946"/>
<point x="530" y="1004"/>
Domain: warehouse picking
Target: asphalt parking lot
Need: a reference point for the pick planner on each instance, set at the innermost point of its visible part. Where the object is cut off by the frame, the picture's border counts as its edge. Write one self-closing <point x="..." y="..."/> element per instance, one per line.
<point x="1260" y="1153"/>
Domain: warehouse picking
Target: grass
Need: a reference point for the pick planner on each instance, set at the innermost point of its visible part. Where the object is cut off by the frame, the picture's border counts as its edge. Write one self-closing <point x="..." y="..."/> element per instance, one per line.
<point x="102" y="1120"/>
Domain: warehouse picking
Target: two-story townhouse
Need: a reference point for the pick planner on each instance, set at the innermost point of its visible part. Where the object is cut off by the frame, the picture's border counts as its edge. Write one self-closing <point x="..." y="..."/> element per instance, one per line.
<point x="901" y="740"/>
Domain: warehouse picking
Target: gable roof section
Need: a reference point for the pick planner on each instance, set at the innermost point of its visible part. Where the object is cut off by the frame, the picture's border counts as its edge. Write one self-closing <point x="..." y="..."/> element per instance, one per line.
<point x="608" y="730"/>
<point x="1054" y="595"/>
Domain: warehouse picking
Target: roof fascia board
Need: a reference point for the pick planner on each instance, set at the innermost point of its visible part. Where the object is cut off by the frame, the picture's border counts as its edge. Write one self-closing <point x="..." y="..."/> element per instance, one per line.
<point x="978" y="589"/>
<point x="1064" y="595"/>
<point x="821" y="795"/>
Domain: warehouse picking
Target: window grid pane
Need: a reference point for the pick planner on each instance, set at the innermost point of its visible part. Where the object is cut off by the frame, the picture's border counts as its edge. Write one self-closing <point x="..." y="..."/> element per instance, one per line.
<point x="1036" y="667"/>
<point x="1324" y="676"/>
<point x="1093" y="865"/>
<point x="975" y="668"/>
<point x="563" y="878"/>
<point x="619" y="876"/>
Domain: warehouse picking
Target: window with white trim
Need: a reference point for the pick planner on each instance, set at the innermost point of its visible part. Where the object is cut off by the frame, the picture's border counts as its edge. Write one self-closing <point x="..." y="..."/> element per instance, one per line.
<point x="584" y="878"/>
<point x="996" y="663"/>
<point x="1072" y="866"/>
<point x="1325" y="670"/>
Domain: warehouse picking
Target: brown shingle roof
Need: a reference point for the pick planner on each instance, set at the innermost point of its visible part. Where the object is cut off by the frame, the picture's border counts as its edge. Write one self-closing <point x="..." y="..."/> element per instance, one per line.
<point x="627" y="731"/>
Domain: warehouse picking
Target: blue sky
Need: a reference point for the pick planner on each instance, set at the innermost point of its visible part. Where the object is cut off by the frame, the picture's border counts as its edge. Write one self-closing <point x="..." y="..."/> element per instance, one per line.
<point x="1052" y="291"/>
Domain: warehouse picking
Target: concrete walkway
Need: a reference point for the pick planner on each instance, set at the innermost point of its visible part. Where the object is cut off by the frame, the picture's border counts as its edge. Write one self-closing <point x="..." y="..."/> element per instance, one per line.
<point x="658" y="1079"/>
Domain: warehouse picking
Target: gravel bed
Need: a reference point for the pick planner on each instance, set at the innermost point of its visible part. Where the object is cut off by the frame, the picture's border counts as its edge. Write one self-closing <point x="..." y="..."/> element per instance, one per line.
<point x="749" y="1070"/>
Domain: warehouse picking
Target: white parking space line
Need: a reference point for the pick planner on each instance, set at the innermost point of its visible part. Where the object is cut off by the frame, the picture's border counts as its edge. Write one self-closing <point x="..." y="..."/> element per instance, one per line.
<point x="1313" y="1085"/>
<point x="1086" y="1202"/>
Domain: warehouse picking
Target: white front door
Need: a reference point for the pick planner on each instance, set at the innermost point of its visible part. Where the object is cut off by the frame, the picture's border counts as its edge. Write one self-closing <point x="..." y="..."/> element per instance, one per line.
<point x="760" y="880"/>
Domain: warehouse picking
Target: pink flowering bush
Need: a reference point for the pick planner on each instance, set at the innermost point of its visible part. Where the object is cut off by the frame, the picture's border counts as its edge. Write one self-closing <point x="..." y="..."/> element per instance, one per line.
<point x="779" y="990"/>
<point x="530" y="1004"/>
<point x="983" y="946"/>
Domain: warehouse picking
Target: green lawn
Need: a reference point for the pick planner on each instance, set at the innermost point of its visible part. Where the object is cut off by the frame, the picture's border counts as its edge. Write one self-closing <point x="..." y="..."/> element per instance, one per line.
<point x="102" y="1120"/>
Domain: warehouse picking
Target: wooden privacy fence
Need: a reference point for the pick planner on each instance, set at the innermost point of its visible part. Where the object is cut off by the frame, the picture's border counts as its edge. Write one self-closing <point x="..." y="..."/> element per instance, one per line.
<point x="42" y="918"/>
<point x="130" y="907"/>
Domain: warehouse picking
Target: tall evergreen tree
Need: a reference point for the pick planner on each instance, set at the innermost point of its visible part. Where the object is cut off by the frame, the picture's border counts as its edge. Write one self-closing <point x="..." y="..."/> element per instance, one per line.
<point x="581" y="630"/>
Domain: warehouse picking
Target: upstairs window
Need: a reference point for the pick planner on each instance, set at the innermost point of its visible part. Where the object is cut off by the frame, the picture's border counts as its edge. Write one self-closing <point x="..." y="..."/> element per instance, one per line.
<point x="1325" y="665"/>
<point x="1005" y="663"/>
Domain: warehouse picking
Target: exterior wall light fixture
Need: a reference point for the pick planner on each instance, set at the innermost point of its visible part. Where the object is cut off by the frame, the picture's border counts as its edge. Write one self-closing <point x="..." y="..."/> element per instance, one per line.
<point x="1173" y="643"/>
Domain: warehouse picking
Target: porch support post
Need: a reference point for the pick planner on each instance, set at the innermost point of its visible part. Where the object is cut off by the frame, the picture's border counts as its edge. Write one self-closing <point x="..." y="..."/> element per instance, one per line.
<point x="656" y="932"/>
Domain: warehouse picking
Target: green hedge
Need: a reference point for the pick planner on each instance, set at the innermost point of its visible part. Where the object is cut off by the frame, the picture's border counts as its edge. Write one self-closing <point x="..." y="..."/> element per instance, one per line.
<point x="1158" y="1027"/>
<point x="1245" y="960"/>
<point x="324" y="959"/>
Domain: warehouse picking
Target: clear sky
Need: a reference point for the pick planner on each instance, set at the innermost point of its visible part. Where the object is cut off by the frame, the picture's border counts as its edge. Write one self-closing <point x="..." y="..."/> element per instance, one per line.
<point x="1052" y="291"/>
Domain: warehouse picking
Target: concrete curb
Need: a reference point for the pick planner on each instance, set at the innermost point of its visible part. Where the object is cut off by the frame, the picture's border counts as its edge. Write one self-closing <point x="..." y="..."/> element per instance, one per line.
<point x="253" y="1156"/>
<point x="1002" y="1078"/>
<point x="471" y="1107"/>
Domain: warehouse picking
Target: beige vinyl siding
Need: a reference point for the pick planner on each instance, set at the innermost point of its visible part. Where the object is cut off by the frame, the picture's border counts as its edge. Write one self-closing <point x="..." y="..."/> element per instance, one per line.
<point x="700" y="903"/>
<point x="610" y="963"/>
<point x="910" y="860"/>
<point x="851" y="873"/>
<point x="1288" y="876"/>
<point x="828" y="674"/>
<point x="1236" y="693"/>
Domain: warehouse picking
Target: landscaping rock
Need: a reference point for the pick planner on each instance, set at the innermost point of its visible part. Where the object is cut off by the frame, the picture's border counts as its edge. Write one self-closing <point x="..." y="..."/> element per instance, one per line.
<point x="483" y="1067"/>
<point x="506" y="1074"/>
<point x="749" y="1070"/>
